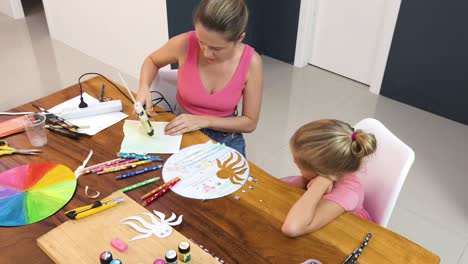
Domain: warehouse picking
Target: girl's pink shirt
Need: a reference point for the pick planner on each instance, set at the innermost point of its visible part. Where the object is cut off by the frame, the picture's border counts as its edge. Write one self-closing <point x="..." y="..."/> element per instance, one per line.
<point x="192" y="95"/>
<point x="347" y="193"/>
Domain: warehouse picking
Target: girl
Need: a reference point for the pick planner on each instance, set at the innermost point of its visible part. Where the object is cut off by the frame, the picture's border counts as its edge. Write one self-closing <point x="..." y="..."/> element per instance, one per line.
<point x="328" y="153"/>
<point x="215" y="70"/>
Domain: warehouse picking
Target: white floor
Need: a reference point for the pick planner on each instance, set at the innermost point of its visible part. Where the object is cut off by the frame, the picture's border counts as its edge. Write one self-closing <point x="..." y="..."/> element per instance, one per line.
<point x="432" y="209"/>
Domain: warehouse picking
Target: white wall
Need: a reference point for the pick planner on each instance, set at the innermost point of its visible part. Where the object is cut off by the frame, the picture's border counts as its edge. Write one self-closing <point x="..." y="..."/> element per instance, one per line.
<point x="12" y="8"/>
<point x="120" y="33"/>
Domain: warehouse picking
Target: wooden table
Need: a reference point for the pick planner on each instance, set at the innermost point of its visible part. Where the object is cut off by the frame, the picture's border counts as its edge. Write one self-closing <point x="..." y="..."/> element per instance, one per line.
<point x="247" y="230"/>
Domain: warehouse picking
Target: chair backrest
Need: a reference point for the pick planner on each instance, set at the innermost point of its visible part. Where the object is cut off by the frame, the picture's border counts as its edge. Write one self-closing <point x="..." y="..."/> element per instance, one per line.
<point x="166" y="84"/>
<point x="383" y="173"/>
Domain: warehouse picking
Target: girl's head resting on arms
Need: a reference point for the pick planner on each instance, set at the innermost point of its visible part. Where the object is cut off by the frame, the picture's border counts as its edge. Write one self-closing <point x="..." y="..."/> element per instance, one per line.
<point x="330" y="148"/>
<point x="220" y="26"/>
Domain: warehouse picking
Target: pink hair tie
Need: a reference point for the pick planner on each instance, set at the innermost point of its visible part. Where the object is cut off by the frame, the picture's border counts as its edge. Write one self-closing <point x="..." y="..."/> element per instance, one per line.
<point x="353" y="136"/>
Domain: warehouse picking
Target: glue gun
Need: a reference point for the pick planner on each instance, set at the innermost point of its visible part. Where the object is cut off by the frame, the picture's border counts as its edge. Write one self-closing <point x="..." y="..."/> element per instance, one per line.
<point x="144" y="118"/>
<point x="139" y="110"/>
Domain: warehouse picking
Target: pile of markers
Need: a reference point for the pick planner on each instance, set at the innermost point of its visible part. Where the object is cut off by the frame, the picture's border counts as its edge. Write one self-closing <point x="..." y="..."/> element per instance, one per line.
<point x="132" y="160"/>
<point x="125" y="161"/>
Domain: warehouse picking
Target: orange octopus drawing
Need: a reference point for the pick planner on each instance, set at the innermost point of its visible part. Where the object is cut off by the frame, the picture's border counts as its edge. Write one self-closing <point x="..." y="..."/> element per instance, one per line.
<point x="227" y="171"/>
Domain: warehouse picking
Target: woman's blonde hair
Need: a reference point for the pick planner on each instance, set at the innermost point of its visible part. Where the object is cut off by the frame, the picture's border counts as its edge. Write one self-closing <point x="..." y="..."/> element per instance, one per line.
<point x="331" y="147"/>
<point x="229" y="17"/>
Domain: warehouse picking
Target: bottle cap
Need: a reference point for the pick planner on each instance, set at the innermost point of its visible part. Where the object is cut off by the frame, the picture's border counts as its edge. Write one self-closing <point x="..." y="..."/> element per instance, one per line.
<point x="159" y="261"/>
<point x="105" y="257"/>
<point x="116" y="261"/>
<point x="184" y="247"/>
<point x="171" y="256"/>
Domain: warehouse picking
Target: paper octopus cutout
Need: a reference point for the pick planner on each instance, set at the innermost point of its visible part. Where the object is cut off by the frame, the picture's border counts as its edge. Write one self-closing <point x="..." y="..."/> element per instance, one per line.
<point x="227" y="171"/>
<point x="161" y="229"/>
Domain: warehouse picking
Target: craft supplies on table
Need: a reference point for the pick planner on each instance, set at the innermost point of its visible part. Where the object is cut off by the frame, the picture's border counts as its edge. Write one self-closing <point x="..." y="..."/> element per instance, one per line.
<point x="138" y="185"/>
<point x="7" y="150"/>
<point x="138" y="172"/>
<point x="94" y="208"/>
<point x="207" y="171"/>
<point x="11" y="126"/>
<point x="92" y="124"/>
<point x="74" y="240"/>
<point x="162" y="191"/>
<point x="33" y="192"/>
<point x="137" y="141"/>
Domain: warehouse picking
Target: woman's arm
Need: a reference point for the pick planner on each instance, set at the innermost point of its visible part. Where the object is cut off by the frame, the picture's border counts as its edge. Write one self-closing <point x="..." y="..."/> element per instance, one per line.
<point x="252" y="100"/>
<point x="174" y="51"/>
<point x="311" y="212"/>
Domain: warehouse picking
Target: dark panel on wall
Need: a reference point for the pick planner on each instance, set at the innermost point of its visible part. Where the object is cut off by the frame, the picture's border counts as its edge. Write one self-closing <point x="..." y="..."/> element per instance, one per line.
<point x="272" y="27"/>
<point x="428" y="61"/>
<point x="281" y="19"/>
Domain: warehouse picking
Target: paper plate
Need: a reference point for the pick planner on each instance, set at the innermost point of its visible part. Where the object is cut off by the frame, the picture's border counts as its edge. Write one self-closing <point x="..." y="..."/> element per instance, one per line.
<point x="207" y="171"/>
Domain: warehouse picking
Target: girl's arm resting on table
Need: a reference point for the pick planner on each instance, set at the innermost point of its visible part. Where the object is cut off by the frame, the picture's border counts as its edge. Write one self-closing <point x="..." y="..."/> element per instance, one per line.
<point x="170" y="53"/>
<point x="311" y="212"/>
<point x="252" y="100"/>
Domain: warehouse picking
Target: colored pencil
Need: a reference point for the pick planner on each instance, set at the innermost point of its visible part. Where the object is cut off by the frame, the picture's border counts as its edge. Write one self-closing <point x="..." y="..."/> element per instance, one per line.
<point x="138" y="172"/>
<point x="138" y="185"/>
<point x="118" y="164"/>
<point x="139" y="156"/>
<point x="160" y="188"/>
<point x="123" y="167"/>
<point x="88" y="169"/>
<point x="161" y="192"/>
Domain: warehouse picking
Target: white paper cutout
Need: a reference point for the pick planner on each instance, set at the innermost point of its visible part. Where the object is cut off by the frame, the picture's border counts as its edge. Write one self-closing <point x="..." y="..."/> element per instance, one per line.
<point x="80" y="170"/>
<point x="89" y="195"/>
<point x="161" y="229"/>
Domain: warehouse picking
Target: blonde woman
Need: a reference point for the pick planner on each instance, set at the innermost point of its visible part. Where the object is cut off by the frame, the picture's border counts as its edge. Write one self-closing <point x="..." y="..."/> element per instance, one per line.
<point x="328" y="153"/>
<point x="216" y="70"/>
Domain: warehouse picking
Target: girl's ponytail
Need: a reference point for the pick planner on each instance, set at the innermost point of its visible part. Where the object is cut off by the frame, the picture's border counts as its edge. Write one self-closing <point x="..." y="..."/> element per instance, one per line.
<point x="362" y="144"/>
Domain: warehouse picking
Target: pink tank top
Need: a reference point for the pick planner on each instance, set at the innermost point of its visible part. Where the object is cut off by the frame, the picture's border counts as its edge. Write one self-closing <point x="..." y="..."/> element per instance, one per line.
<point x="192" y="95"/>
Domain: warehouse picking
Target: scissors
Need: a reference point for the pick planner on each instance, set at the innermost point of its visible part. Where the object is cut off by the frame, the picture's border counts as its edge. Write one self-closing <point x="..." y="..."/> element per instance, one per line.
<point x="7" y="150"/>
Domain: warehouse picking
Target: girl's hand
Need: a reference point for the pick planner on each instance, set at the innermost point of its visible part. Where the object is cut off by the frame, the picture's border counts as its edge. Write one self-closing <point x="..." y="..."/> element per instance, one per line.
<point x="144" y="98"/>
<point x="185" y="123"/>
<point x="325" y="182"/>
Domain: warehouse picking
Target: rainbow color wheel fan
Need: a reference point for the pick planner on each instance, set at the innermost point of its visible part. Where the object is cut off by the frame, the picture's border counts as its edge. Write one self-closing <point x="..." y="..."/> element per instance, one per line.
<point x="33" y="192"/>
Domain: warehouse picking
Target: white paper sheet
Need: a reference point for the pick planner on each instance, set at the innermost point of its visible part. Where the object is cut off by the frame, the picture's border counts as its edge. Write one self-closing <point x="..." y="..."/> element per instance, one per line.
<point x="137" y="141"/>
<point x="95" y="123"/>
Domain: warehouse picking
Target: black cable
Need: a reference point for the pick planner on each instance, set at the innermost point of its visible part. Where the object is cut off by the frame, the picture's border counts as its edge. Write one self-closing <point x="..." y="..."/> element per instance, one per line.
<point x="95" y="73"/>
<point x="159" y="99"/>
<point x="156" y="101"/>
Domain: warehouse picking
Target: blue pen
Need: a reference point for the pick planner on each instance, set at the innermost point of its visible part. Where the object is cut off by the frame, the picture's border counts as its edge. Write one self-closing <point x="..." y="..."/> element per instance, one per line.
<point x="134" y="173"/>
<point x="139" y="156"/>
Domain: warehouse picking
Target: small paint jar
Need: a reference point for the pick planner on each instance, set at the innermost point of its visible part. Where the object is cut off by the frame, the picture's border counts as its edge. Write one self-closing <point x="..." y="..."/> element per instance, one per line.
<point x="159" y="261"/>
<point x="116" y="261"/>
<point x="105" y="257"/>
<point x="171" y="257"/>
<point x="184" y="252"/>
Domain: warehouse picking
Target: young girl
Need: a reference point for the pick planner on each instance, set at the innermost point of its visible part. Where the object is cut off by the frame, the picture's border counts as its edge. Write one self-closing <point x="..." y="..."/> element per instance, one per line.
<point x="328" y="153"/>
<point x="216" y="70"/>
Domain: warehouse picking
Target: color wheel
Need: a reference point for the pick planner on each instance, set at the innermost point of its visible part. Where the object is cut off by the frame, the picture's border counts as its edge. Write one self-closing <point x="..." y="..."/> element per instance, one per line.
<point x="33" y="192"/>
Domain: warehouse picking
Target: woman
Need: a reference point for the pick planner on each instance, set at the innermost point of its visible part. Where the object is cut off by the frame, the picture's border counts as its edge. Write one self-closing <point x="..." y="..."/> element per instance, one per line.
<point x="215" y="70"/>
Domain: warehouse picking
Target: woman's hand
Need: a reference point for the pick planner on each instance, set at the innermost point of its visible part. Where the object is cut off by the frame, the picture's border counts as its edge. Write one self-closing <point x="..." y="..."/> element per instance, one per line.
<point x="144" y="98"/>
<point x="185" y="123"/>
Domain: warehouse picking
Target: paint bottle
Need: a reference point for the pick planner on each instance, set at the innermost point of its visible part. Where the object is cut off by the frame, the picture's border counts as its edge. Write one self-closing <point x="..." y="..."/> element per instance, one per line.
<point x="184" y="252"/>
<point x="105" y="257"/>
<point x="171" y="257"/>
<point x="116" y="261"/>
<point x="159" y="261"/>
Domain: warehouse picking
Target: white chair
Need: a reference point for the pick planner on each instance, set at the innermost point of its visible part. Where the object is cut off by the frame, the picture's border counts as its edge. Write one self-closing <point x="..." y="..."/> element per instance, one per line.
<point x="166" y="84"/>
<point x="384" y="173"/>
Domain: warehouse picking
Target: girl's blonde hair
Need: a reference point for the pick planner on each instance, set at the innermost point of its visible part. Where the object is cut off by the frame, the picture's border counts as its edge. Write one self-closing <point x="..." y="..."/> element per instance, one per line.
<point x="229" y="17"/>
<point x="331" y="147"/>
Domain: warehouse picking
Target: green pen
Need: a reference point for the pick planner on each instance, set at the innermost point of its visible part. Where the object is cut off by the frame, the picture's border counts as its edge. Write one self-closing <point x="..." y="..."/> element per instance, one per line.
<point x="138" y="185"/>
